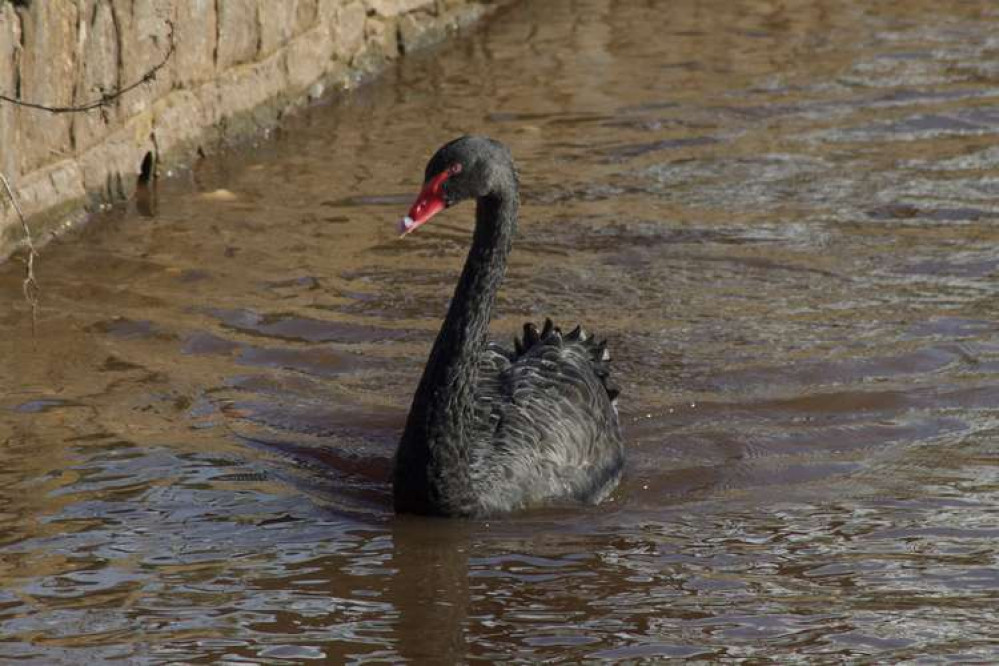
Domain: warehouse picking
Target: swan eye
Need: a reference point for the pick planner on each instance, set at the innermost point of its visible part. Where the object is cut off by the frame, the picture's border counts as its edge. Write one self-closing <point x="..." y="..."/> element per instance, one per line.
<point x="454" y="169"/>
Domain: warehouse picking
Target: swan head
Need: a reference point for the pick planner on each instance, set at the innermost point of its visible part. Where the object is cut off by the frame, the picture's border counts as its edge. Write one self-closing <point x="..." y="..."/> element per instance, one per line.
<point x="470" y="167"/>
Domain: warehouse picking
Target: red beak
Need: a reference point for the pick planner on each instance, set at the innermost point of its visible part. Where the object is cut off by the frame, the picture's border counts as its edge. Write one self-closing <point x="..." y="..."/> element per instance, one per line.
<point x="429" y="202"/>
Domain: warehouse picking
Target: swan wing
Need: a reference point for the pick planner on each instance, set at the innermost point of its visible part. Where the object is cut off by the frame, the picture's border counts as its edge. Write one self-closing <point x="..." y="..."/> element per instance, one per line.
<point x="550" y="414"/>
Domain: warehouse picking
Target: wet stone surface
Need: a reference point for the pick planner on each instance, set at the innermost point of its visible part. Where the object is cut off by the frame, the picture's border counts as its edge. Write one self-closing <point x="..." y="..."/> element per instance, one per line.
<point x="783" y="217"/>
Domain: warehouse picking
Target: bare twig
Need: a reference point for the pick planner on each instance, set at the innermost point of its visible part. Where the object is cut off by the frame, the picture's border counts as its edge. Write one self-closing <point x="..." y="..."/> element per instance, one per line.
<point x="30" y="285"/>
<point x="106" y="98"/>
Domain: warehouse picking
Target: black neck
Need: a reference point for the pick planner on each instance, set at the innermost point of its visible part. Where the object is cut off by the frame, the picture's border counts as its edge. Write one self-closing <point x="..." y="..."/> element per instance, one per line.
<point x="441" y="419"/>
<point x="448" y="380"/>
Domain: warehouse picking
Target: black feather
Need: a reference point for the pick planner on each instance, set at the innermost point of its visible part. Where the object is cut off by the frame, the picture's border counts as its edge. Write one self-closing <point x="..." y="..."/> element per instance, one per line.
<point x="548" y="328"/>
<point x="531" y="335"/>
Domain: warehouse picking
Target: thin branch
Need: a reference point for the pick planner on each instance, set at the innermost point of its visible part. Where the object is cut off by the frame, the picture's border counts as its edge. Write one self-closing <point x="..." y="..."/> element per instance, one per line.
<point x="106" y="98"/>
<point x="30" y="285"/>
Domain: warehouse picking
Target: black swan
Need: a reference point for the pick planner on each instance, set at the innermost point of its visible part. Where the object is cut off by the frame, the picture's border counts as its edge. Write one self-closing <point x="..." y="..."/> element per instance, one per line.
<point x="493" y="430"/>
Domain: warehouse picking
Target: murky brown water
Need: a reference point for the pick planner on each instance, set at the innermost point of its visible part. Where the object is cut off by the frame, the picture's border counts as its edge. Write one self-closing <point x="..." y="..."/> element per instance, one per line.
<point x="784" y="215"/>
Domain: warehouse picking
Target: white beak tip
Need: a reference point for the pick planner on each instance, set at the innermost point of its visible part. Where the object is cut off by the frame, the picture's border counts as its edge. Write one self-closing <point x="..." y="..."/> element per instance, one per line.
<point x="406" y="225"/>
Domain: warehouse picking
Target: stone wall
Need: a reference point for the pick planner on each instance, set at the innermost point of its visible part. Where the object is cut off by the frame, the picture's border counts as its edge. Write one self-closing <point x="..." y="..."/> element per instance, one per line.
<point x="236" y="66"/>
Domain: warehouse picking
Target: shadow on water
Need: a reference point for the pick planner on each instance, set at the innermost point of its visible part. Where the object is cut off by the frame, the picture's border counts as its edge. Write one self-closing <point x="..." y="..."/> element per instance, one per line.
<point x="783" y="217"/>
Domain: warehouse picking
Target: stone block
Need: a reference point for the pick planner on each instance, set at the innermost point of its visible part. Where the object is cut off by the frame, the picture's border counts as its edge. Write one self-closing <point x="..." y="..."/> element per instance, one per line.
<point x="382" y="40"/>
<point x="417" y="30"/>
<point x="277" y="25"/>
<point x="327" y="9"/>
<point x="390" y="8"/>
<point x="477" y="8"/>
<point x="306" y="15"/>
<point x="308" y="56"/>
<point x="238" y="32"/>
<point x="240" y="89"/>
<point x="51" y="186"/>
<point x="48" y="60"/>
<point x="462" y="18"/>
<point x="48" y="196"/>
<point x="194" y="35"/>
<point x="179" y="120"/>
<point x="97" y="72"/>
<point x="111" y="168"/>
<point x="208" y="97"/>
<point x="144" y="27"/>
<point x="10" y="38"/>
<point x="347" y="29"/>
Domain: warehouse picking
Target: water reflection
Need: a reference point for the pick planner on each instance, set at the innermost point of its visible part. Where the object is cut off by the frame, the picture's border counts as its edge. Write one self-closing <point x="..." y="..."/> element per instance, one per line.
<point x="781" y="214"/>
<point x="430" y="589"/>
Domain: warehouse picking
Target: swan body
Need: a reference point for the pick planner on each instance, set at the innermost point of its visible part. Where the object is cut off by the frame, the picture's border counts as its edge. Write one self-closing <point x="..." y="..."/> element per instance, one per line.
<point x="492" y="430"/>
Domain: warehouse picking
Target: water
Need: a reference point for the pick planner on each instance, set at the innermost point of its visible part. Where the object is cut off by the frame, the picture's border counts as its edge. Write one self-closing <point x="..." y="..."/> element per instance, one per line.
<point x="782" y="215"/>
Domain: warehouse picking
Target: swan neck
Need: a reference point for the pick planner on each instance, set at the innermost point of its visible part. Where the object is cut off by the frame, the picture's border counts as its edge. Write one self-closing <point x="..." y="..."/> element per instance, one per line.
<point x="463" y="334"/>
<point x="442" y="426"/>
